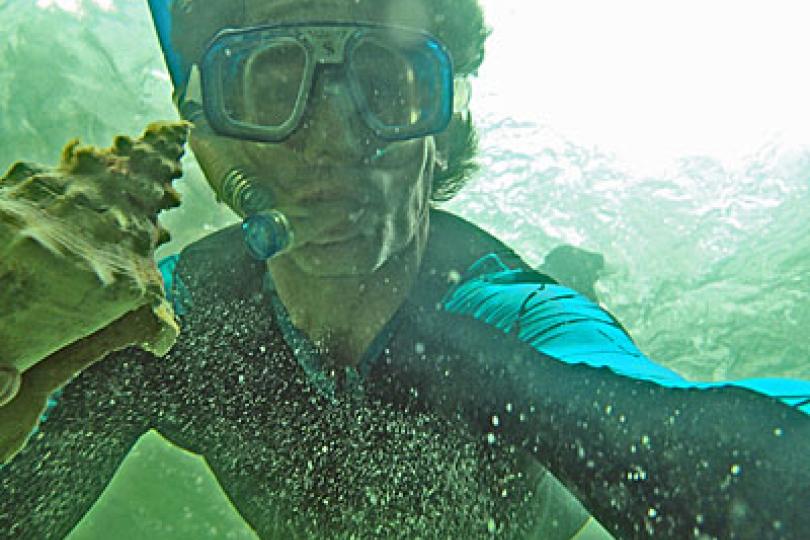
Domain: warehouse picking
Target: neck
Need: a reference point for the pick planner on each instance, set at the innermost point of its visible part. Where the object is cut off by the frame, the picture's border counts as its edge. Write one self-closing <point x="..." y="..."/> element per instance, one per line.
<point x="343" y="315"/>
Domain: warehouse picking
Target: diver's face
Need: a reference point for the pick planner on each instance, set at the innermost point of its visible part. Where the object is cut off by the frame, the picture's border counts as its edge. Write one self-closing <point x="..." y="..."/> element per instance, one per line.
<point x="353" y="200"/>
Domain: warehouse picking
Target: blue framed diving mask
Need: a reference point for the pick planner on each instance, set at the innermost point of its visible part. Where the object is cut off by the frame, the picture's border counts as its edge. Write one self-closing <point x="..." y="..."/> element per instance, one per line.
<point x="255" y="83"/>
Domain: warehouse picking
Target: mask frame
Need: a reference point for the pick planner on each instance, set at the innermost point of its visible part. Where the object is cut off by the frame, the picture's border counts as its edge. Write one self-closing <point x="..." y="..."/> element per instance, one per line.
<point x="197" y="86"/>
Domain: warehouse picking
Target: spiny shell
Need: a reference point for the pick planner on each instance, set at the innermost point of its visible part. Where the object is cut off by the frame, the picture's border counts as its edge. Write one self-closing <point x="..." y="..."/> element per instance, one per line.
<point x="77" y="241"/>
<point x="77" y="272"/>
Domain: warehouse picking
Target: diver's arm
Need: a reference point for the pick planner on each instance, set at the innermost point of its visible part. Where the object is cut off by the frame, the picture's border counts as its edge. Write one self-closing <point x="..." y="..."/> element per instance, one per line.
<point x="49" y="486"/>
<point x="645" y="460"/>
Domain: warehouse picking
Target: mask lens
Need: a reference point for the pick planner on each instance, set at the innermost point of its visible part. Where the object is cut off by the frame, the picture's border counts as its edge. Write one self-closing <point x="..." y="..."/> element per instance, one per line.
<point x="256" y="81"/>
<point x="273" y="80"/>
<point x="397" y="83"/>
<point x="262" y="86"/>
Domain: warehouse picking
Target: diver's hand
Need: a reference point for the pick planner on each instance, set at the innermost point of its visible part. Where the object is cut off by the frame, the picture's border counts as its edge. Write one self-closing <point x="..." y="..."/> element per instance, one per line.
<point x="22" y="413"/>
<point x="77" y="253"/>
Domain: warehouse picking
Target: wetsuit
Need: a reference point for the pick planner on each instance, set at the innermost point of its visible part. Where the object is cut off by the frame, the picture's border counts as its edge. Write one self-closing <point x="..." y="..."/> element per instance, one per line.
<point x="298" y="452"/>
<point x="438" y="432"/>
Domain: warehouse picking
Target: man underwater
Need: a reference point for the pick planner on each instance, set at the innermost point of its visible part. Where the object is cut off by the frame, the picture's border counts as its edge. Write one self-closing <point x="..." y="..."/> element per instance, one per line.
<point x="378" y="376"/>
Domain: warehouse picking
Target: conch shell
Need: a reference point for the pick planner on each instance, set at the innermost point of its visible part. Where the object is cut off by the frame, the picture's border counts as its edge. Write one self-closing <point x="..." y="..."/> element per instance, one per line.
<point x="77" y="274"/>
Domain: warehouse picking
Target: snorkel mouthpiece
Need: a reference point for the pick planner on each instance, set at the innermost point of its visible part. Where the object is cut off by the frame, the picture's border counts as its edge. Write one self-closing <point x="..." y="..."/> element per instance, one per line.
<point x="266" y="231"/>
<point x="267" y="234"/>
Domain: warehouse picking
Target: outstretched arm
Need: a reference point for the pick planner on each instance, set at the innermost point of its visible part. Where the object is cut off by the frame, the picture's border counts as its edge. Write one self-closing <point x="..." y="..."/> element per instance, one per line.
<point x="645" y="459"/>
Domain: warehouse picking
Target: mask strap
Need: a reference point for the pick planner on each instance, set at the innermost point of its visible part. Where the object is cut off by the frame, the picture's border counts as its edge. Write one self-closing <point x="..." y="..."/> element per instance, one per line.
<point x="162" y="18"/>
<point x="189" y="102"/>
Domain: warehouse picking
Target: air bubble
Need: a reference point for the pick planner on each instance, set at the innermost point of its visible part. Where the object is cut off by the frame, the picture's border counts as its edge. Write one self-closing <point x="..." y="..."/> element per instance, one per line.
<point x="645" y="440"/>
<point x="491" y="526"/>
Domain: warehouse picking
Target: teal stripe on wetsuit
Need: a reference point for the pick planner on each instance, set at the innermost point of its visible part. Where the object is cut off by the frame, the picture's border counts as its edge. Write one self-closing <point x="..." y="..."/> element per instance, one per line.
<point x="176" y="292"/>
<point x="564" y="324"/>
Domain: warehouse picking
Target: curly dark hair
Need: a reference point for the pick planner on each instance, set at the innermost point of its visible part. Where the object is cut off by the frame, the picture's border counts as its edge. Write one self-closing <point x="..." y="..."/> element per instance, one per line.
<point x="457" y="23"/>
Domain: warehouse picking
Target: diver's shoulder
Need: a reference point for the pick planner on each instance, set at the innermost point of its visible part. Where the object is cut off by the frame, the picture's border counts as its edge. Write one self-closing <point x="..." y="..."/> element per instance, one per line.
<point x="458" y="243"/>
<point x="215" y="266"/>
<point x="228" y="239"/>
<point x="220" y="245"/>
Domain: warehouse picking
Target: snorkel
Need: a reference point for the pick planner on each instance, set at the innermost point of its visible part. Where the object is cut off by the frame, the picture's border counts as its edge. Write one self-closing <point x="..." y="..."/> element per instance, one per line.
<point x="266" y="231"/>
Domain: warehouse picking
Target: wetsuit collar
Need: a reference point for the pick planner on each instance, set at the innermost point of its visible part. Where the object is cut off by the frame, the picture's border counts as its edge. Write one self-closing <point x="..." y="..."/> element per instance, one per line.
<point x="328" y="383"/>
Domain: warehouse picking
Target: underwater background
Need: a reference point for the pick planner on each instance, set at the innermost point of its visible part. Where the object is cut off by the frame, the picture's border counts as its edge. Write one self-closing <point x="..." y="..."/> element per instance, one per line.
<point x="673" y="140"/>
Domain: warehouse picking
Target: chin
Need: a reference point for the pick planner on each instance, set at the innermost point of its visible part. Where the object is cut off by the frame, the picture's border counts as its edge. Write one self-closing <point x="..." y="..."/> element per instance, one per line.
<point x="350" y="258"/>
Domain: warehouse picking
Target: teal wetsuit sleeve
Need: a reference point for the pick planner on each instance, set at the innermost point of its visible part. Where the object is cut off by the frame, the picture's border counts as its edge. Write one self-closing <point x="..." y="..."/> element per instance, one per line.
<point x="571" y="328"/>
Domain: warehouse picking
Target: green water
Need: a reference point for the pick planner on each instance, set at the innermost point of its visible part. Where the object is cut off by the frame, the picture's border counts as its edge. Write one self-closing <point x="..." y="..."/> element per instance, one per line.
<point x="707" y="260"/>
<point x="161" y="491"/>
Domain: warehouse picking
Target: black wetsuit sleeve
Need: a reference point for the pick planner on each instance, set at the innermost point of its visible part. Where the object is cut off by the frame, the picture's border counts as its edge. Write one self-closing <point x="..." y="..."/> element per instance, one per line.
<point x="49" y="486"/>
<point x="646" y="460"/>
